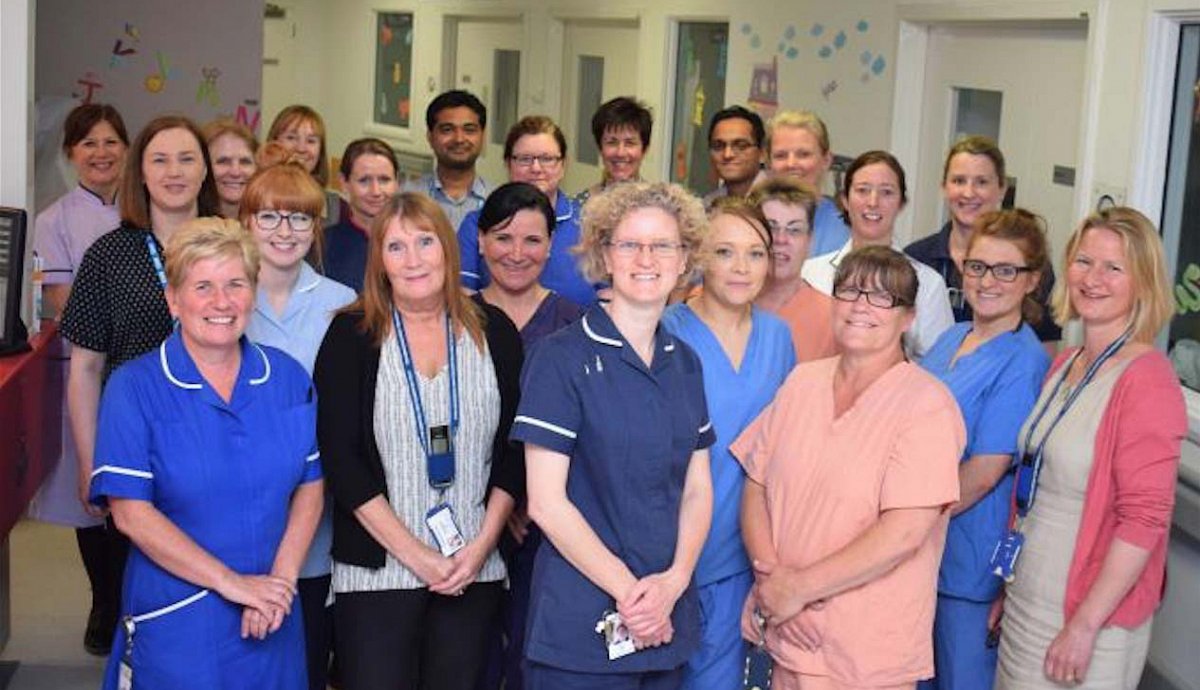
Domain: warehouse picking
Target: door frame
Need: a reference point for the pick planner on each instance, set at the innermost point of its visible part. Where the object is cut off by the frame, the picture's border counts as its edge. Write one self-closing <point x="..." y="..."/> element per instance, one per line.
<point x="916" y="21"/>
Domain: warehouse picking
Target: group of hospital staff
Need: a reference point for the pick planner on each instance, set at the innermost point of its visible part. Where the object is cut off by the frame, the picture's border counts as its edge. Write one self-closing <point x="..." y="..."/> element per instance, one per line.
<point x="474" y="437"/>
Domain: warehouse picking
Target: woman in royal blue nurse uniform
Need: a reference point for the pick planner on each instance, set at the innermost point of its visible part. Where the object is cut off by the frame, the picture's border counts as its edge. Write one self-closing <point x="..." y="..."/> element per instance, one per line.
<point x="747" y="353"/>
<point x="994" y="365"/>
<point x="206" y="455"/>
<point x="616" y="428"/>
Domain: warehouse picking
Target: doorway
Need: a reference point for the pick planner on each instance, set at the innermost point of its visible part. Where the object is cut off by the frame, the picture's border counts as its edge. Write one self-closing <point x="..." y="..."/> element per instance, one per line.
<point x="487" y="53"/>
<point x="976" y="80"/>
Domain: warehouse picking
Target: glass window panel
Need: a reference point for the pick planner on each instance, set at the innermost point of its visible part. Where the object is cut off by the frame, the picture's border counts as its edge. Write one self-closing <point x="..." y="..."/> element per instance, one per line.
<point x="506" y="81"/>
<point x="700" y="60"/>
<point x="591" y="90"/>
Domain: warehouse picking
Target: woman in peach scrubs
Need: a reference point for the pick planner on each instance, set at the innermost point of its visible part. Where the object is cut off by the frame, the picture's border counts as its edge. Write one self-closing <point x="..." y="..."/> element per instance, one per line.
<point x="851" y="473"/>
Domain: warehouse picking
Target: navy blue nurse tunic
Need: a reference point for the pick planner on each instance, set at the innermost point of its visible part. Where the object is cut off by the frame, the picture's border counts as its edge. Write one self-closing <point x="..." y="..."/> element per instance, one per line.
<point x="224" y="473"/>
<point x="629" y="432"/>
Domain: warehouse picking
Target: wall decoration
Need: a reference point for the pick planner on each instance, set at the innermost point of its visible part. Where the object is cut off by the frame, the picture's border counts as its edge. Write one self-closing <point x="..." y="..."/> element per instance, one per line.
<point x="828" y="89"/>
<point x="249" y="115"/>
<point x="90" y="82"/>
<point x="393" y="68"/>
<point x="764" y="88"/>
<point x="156" y="81"/>
<point x="120" y="50"/>
<point x="207" y="91"/>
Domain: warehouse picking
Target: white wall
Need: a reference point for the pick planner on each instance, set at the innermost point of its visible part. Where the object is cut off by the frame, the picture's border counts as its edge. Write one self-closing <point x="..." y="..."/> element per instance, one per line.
<point x="857" y="110"/>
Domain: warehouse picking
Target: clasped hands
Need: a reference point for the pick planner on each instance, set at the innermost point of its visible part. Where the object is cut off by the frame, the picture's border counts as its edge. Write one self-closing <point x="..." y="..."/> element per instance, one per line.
<point x="450" y="575"/>
<point x="779" y="596"/>
<point x="647" y="605"/>
<point x="266" y="601"/>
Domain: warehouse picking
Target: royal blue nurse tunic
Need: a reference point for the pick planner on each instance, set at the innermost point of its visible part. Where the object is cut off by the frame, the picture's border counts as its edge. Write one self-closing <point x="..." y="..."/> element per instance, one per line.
<point x="630" y="431"/>
<point x="224" y="473"/>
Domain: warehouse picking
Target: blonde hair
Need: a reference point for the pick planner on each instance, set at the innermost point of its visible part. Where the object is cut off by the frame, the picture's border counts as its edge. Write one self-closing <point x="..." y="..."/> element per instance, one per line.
<point x="798" y="119"/>
<point x="605" y="211"/>
<point x="375" y="301"/>
<point x="786" y="190"/>
<point x="209" y="238"/>
<point x="1153" y="305"/>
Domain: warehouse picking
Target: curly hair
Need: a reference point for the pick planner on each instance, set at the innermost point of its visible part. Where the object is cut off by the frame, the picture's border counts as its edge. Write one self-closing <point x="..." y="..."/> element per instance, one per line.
<point x="605" y="211"/>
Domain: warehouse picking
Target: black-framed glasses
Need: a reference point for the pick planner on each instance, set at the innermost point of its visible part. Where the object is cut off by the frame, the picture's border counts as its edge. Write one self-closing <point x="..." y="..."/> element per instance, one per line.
<point x="876" y="298"/>
<point x="545" y="160"/>
<point x="270" y="219"/>
<point x="1003" y="272"/>
<point x="630" y="248"/>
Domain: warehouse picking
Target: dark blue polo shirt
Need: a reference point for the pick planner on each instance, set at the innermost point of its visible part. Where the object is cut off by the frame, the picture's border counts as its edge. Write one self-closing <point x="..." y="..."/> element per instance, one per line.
<point x="630" y="432"/>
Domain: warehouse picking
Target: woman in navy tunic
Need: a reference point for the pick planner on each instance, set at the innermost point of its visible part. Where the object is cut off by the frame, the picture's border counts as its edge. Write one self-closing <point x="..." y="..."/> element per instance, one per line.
<point x="206" y="455"/>
<point x="616" y="428"/>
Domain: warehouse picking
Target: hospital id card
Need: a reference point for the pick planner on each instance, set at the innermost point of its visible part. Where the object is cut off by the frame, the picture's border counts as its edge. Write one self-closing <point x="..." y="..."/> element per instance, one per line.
<point x="124" y="676"/>
<point x="440" y="520"/>
<point x="617" y="639"/>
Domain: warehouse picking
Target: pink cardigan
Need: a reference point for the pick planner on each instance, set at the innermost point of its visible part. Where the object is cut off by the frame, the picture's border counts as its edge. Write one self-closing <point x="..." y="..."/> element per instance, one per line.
<point x="1131" y="487"/>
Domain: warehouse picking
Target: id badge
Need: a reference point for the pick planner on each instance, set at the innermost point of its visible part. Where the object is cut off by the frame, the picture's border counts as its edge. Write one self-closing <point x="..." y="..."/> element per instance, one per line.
<point x="1027" y="480"/>
<point x="617" y="639"/>
<point x="125" y="666"/>
<point x="440" y="520"/>
<point x="1004" y="556"/>
<point x="757" y="673"/>
<point x="124" y="676"/>
<point x="441" y="457"/>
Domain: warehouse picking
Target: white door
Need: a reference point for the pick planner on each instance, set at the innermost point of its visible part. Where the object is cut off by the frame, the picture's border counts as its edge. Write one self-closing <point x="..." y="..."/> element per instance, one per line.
<point x="1038" y="70"/>
<point x="595" y="53"/>
<point x="483" y="46"/>
<point x="279" y="83"/>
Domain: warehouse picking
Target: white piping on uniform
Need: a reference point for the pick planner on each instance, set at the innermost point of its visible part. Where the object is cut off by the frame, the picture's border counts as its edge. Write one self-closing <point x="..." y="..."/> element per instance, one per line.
<point x="544" y="425"/>
<point x="168" y="609"/>
<point x="314" y="457"/>
<point x="140" y="474"/>
<point x="162" y="356"/>
<point x="598" y="338"/>
<point x="266" y="364"/>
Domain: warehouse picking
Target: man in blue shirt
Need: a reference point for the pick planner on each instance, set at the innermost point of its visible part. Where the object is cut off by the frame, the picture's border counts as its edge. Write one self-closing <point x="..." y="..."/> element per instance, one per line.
<point x="456" y="121"/>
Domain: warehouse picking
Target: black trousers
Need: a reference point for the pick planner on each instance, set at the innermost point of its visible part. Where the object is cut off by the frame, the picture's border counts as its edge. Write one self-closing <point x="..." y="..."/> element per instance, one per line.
<point x="318" y="621"/>
<point x="103" y="550"/>
<point x="414" y="638"/>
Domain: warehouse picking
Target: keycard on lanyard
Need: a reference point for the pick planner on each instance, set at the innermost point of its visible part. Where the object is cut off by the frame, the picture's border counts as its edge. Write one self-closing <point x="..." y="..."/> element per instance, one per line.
<point x="1004" y="556"/>
<point x="440" y="520"/>
<point x="441" y="457"/>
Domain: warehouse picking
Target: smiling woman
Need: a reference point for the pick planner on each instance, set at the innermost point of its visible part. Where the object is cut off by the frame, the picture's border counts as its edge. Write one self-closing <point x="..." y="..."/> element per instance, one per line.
<point x="220" y="509"/>
<point x="368" y="174"/>
<point x="231" y="147"/>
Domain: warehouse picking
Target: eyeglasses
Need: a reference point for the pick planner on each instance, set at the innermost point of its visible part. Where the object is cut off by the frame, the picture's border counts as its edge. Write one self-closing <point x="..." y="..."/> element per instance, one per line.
<point x="629" y="248"/>
<point x="1003" y="272"/>
<point x="876" y="298"/>
<point x="298" y="221"/>
<point x="738" y="145"/>
<point x="793" y="229"/>
<point x="545" y="160"/>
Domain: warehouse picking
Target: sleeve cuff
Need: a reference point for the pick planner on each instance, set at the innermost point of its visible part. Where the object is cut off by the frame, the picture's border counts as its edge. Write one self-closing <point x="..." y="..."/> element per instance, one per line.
<point x="539" y="432"/>
<point x="111" y="481"/>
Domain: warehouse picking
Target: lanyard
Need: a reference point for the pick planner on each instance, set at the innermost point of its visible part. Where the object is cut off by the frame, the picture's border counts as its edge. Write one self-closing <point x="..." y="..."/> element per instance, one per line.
<point x="1024" y="492"/>
<point x="156" y="259"/>
<point x="414" y="392"/>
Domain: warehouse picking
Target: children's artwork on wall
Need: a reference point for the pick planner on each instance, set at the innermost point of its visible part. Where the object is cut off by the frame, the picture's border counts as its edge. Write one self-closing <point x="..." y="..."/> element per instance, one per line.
<point x="89" y="83"/>
<point x="764" y="88"/>
<point x="157" y="81"/>
<point x="393" y="68"/>
<point x="248" y="114"/>
<point x="207" y="91"/>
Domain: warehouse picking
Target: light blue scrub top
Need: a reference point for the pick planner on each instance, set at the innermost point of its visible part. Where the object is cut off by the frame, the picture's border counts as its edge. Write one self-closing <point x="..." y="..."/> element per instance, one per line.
<point x="735" y="398"/>
<point x="561" y="272"/>
<point x="995" y="387"/>
<point x="299" y="332"/>
<point x="829" y="230"/>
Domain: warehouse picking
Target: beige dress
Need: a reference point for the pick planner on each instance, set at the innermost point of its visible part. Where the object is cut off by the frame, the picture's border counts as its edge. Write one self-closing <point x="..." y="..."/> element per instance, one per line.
<point x="1033" y="610"/>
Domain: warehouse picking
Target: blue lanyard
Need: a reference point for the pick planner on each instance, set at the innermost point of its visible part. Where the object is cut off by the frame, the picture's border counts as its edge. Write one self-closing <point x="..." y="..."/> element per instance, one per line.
<point x="1024" y="493"/>
<point x="156" y="259"/>
<point x="414" y="392"/>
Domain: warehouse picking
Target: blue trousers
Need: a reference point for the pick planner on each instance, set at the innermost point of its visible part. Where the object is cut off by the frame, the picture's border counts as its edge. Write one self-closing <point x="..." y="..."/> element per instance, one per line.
<point x="540" y="677"/>
<point x="961" y="658"/>
<point x="720" y="660"/>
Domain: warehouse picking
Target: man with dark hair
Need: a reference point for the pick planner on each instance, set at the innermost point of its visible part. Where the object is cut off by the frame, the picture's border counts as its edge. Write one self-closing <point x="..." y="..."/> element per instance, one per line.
<point x="456" y="122"/>
<point x="735" y="140"/>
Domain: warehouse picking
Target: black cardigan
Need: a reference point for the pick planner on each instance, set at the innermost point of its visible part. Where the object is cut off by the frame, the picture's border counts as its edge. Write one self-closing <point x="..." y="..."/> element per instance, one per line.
<point x="344" y="374"/>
